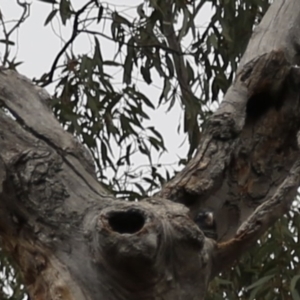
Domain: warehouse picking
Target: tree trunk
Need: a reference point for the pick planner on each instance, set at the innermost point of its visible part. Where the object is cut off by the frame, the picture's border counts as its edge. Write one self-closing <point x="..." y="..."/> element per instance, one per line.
<point x="73" y="240"/>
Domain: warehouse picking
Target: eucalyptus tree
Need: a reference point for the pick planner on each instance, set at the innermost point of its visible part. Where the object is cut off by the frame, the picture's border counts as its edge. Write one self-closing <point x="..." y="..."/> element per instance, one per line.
<point x="76" y="234"/>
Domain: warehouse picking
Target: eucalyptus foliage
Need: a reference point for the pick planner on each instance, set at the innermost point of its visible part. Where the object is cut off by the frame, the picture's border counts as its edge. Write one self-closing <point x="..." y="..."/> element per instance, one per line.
<point x="195" y="63"/>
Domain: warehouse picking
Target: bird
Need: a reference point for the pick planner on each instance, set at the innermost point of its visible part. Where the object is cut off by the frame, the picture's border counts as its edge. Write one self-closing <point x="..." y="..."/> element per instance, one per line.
<point x="205" y="220"/>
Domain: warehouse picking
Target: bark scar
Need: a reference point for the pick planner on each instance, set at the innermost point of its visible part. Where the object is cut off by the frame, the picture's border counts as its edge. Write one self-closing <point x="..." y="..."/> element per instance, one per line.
<point x="265" y="74"/>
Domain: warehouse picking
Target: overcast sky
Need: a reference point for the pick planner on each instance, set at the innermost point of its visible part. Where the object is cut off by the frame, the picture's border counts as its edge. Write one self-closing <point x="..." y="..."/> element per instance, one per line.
<point x="38" y="45"/>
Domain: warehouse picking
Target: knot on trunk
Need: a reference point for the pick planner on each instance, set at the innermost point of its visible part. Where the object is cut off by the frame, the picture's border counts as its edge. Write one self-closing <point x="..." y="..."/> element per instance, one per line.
<point x="151" y="245"/>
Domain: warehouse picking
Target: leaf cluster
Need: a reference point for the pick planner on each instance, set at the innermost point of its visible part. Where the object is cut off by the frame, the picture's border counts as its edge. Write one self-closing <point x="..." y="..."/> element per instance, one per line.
<point x="270" y="270"/>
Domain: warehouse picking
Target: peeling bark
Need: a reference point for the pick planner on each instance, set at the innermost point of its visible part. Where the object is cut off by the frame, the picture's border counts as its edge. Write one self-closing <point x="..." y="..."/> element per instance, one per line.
<point x="73" y="240"/>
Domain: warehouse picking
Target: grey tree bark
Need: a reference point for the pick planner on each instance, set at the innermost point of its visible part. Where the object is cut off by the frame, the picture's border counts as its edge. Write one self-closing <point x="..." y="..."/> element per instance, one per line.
<point x="73" y="240"/>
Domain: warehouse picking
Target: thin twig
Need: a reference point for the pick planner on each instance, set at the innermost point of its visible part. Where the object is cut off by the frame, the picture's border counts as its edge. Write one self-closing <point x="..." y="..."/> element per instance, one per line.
<point x="74" y="34"/>
<point x="7" y="34"/>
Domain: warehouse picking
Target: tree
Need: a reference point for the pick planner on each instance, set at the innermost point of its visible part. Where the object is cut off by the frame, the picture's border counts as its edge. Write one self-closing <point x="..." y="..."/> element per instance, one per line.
<point x="70" y="237"/>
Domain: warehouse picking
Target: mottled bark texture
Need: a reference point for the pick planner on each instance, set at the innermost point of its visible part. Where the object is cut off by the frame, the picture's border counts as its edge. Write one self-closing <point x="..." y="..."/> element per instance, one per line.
<point x="72" y="240"/>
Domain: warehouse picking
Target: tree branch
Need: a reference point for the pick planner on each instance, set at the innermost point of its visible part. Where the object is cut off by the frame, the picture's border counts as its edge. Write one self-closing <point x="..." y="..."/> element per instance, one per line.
<point x="188" y="98"/>
<point x="74" y="34"/>
<point x="248" y="139"/>
<point x="261" y="219"/>
<point x="64" y="230"/>
<point x="47" y="128"/>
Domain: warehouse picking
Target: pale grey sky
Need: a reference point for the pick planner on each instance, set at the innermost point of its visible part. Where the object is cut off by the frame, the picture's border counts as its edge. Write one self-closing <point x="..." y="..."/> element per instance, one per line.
<point x="38" y="45"/>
